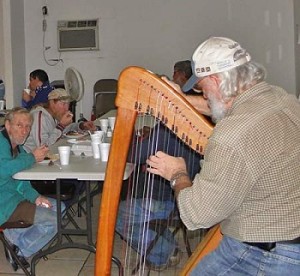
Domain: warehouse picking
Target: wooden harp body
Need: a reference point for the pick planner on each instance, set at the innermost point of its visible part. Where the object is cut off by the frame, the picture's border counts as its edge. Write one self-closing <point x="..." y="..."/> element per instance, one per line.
<point x="140" y="91"/>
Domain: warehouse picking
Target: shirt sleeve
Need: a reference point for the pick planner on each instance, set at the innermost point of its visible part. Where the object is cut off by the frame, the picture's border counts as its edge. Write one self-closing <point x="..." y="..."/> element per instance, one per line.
<point x="72" y="127"/>
<point x="217" y="191"/>
<point x="41" y="95"/>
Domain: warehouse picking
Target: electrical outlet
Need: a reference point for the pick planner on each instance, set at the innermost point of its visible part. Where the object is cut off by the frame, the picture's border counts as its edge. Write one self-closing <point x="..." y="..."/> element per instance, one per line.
<point x="45" y="10"/>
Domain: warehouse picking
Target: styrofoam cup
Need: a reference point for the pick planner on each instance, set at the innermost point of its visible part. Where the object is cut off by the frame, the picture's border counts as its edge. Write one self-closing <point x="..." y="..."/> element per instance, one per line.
<point x="95" y="138"/>
<point x="104" y="151"/>
<point x="27" y="90"/>
<point x="104" y="124"/>
<point x="98" y="135"/>
<point x="96" y="150"/>
<point x="111" y="122"/>
<point x="64" y="154"/>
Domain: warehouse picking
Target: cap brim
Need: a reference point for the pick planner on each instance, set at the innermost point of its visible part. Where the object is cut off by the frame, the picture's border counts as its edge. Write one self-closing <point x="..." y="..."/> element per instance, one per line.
<point x="63" y="98"/>
<point x="190" y="83"/>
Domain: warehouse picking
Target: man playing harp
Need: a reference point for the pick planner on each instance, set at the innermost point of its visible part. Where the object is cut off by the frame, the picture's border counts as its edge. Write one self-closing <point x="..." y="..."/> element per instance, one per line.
<point x="249" y="181"/>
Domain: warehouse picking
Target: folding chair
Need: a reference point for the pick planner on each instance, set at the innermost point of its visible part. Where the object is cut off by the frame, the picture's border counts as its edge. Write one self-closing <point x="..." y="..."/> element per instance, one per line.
<point x="159" y="226"/>
<point x="104" y="96"/>
<point x="10" y="248"/>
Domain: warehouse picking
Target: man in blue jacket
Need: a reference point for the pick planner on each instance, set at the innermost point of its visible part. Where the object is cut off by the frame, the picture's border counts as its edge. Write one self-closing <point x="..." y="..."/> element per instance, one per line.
<point x="18" y="200"/>
<point x="39" y="87"/>
<point x="153" y="198"/>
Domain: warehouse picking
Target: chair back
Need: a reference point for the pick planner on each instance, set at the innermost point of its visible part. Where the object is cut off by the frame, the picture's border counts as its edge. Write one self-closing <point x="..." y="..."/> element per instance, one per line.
<point x="104" y="96"/>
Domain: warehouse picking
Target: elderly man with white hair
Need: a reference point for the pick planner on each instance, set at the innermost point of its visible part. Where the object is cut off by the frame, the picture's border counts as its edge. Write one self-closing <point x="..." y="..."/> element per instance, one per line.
<point x="249" y="181"/>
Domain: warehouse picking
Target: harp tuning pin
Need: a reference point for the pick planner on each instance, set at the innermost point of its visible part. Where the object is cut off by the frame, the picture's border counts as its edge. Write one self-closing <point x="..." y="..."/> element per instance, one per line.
<point x="140" y="107"/>
<point x="182" y="136"/>
<point x="148" y="109"/>
<point x="197" y="147"/>
<point x="151" y="111"/>
<point x="162" y="118"/>
<point x="158" y="115"/>
<point x="136" y="105"/>
<point x="166" y="120"/>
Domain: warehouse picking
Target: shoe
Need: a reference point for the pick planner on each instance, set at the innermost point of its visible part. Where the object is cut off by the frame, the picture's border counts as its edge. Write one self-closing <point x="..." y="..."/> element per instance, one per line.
<point x="12" y="261"/>
<point x="173" y="261"/>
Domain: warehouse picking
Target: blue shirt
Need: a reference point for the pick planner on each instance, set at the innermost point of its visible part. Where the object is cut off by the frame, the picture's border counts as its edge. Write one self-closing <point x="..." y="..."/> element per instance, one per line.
<point x="161" y="139"/>
<point x="41" y="95"/>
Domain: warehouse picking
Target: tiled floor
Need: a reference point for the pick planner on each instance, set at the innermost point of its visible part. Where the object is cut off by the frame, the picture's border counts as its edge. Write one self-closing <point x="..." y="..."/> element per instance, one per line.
<point x="72" y="262"/>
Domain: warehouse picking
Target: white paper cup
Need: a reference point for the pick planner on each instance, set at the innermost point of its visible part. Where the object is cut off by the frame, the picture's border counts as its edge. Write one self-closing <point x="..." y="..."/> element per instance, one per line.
<point x="111" y="122"/>
<point x="95" y="138"/>
<point x="98" y="135"/>
<point x="104" y="151"/>
<point x="2" y="104"/>
<point x="64" y="154"/>
<point x="104" y="124"/>
<point x="27" y="90"/>
<point x="96" y="150"/>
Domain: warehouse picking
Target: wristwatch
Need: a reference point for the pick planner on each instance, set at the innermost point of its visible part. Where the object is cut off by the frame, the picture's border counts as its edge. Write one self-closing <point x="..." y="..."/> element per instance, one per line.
<point x="173" y="180"/>
<point x="173" y="183"/>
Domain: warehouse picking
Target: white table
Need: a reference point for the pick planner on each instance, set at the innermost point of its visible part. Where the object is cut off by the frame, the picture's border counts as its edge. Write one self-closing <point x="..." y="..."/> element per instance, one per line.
<point x="81" y="168"/>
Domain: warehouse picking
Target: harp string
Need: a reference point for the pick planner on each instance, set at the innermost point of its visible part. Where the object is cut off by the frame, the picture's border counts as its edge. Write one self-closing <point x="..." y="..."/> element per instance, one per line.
<point x="148" y="186"/>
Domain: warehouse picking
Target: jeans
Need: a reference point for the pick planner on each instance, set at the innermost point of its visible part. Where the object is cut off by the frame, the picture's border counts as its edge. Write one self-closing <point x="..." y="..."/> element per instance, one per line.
<point x="236" y="258"/>
<point x="133" y="227"/>
<point x="30" y="240"/>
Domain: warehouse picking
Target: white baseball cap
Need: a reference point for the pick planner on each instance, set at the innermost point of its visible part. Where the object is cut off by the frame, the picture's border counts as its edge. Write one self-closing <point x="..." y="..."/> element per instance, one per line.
<point x="215" y="55"/>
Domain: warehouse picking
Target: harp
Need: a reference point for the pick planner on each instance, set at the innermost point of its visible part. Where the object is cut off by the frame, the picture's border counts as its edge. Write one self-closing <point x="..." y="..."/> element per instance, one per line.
<point x="140" y="91"/>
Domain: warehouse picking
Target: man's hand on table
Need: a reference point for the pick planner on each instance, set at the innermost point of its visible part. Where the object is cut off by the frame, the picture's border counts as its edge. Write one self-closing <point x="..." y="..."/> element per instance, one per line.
<point x="88" y="125"/>
<point x="40" y="153"/>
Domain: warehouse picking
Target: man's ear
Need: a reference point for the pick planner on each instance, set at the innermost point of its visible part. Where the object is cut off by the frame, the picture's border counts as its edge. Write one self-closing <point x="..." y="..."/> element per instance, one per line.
<point x="7" y="125"/>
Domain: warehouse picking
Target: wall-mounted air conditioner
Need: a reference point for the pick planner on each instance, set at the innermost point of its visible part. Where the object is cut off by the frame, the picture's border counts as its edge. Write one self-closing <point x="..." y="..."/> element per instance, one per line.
<point x="78" y="35"/>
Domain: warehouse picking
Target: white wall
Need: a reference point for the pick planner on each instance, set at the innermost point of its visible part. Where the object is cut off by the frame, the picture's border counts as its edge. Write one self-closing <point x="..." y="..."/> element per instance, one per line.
<point x="154" y="34"/>
<point x="5" y="50"/>
<point x="18" y="49"/>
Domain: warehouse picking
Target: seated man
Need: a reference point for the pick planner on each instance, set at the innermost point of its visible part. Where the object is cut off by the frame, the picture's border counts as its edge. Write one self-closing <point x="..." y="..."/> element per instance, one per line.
<point x="154" y="200"/>
<point x="50" y="122"/>
<point x="53" y="120"/>
<point x="18" y="200"/>
<point x="182" y="72"/>
<point x="39" y="88"/>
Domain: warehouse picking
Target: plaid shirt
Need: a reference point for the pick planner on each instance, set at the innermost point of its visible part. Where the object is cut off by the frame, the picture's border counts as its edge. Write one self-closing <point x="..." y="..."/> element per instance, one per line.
<point x="250" y="179"/>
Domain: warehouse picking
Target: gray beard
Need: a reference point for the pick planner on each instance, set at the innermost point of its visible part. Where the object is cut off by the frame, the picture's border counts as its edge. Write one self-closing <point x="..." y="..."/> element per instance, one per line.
<point x="218" y="109"/>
